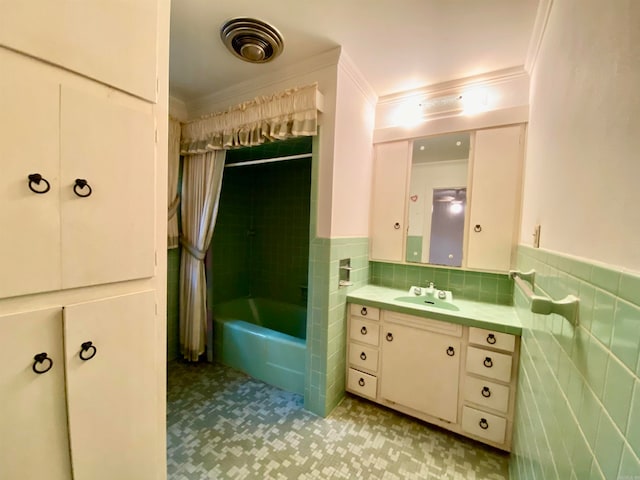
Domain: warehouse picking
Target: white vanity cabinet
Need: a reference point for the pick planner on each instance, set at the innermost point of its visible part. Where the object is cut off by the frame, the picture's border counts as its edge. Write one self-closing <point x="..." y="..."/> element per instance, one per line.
<point x="457" y="377"/>
<point x="91" y="391"/>
<point x="421" y="365"/>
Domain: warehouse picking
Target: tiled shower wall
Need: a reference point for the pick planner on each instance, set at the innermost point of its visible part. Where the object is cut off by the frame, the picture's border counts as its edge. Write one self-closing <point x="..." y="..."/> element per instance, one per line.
<point x="578" y="404"/>
<point x="260" y="245"/>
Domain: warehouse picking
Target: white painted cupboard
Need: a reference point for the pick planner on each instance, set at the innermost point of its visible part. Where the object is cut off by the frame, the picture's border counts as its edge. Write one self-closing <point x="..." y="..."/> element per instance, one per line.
<point x="494" y="199"/>
<point x="457" y="377"/>
<point x="83" y="108"/>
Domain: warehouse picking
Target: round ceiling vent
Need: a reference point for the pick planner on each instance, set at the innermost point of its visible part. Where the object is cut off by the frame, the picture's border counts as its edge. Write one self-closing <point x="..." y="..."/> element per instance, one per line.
<point x="252" y="40"/>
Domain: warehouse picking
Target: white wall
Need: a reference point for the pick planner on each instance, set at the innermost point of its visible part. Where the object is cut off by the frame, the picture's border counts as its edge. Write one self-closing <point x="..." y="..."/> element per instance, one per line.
<point x="353" y="153"/>
<point x="582" y="173"/>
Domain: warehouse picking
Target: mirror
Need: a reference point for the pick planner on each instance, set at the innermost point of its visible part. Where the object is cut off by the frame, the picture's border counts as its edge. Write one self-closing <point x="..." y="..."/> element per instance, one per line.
<point x="438" y="199"/>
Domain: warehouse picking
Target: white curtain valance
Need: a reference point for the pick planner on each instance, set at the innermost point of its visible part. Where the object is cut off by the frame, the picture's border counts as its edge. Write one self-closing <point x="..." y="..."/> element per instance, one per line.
<point x="292" y="113"/>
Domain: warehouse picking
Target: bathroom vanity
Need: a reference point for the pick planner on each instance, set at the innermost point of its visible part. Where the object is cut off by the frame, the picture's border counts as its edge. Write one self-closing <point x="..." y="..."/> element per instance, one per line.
<point x="453" y="368"/>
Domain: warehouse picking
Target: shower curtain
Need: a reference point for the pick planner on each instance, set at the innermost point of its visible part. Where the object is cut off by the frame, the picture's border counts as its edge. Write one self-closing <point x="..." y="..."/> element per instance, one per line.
<point x="201" y="184"/>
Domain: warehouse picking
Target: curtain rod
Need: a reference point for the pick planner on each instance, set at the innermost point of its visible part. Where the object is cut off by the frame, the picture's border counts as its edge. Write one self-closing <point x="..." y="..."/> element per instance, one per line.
<point x="267" y="160"/>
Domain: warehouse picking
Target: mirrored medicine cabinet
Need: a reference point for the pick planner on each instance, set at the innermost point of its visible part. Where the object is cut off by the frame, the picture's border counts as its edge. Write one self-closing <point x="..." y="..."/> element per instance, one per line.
<point x="449" y="200"/>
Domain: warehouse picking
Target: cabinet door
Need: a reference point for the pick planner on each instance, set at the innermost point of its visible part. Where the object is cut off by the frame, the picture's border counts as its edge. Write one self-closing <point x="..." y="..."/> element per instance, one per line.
<point x="29" y="144"/>
<point x="495" y="198"/>
<point x="112" y="404"/>
<point x="420" y="370"/>
<point x="33" y="422"/>
<point x="107" y="140"/>
<point x="111" y="41"/>
<point x="391" y="166"/>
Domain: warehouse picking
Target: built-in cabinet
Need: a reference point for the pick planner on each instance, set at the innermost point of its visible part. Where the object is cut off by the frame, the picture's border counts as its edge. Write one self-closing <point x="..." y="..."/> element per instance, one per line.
<point x="493" y="199"/>
<point x="458" y="377"/>
<point x="78" y="381"/>
<point x="82" y="383"/>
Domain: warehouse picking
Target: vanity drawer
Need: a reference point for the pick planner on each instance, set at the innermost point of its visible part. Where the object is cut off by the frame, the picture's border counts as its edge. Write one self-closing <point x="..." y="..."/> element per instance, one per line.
<point x="489" y="364"/>
<point x="364" y="331"/>
<point x="487" y="338"/>
<point x="484" y="424"/>
<point x="362" y="383"/>
<point x="363" y="357"/>
<point x="486" y="394"/>
<point x="371" y="313"/>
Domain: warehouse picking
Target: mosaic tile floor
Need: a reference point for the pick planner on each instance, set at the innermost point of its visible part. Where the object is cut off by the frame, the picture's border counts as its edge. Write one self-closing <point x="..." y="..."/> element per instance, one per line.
<point x="222" y="424"/>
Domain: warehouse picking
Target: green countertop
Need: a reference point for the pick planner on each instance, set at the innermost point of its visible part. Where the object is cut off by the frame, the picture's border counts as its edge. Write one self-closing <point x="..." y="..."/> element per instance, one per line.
<point x="499" y="318"/>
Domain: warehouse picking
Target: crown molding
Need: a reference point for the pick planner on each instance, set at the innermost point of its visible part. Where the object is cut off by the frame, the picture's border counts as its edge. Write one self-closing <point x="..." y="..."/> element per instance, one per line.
<point x="456" y="86"/>
<point x="347" y="65"/>
<point x="539" y="27"/>
<point x="247" y="89"/>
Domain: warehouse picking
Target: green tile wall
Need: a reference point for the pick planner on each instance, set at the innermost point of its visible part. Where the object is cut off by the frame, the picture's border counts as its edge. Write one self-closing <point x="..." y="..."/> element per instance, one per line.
<point x="173" y="313"/>
<point x="484" y="287"/>
<point x="326" y="322"/>
<point x="578" y="403"/>
<point x="260" y="244"/>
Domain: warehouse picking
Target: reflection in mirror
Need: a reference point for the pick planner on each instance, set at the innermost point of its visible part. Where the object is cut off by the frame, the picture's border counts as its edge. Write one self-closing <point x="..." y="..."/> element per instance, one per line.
<point x="437" y="199"/>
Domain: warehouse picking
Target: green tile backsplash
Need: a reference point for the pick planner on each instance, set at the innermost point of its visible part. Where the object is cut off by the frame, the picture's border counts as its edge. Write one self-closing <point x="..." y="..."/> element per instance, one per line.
<point x="484" y="287"/>
<point x="578" y="403"/>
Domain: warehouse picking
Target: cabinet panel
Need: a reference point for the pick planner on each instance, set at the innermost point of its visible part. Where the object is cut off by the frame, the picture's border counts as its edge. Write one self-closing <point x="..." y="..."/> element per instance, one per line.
<point x="365" y="384"/>
<point x="487" y="394"/>
<point x="418" y="372"/>
<point x="363" y="357"/>
<point x="487" y="338"/>
<point x="364" y="331"/>
<point x="494" y="205"/>
<point x="489" y="364"/>
<point x="29" y="143"/>
<point x="391" y="166"/>
<point x="107" y="236"/>
<point x="120" y="380"/>
<point x="114" y="42"/>
<point x="33" y="420"/>
<point x="484" y="424"/>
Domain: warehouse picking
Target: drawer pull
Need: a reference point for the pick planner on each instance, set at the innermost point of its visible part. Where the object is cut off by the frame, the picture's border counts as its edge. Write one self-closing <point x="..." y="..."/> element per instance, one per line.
<point x="88" y="347"/>
<point x="363" y="311"/>
<point x="486" y="392"/>
<point x="81" y="184"/>
<point x="451" y="351"/>
<point x="361" y="382"/>
<point x="39" y="359"/>
<point x="363" y="330"/>
<point x="488" y="362"/>
<point x="483" y="423"/>
<point x="396" y="226"/>
<point x="363" y="356"/>
<point x="477" y="228"/>
<point x="389" y="337"/>
<point x="37" y="178"/>
<point x="491" y="339"/>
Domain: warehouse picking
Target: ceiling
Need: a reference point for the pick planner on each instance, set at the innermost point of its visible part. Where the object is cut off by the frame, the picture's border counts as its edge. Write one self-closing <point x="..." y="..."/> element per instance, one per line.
<point x="396" y="44"/>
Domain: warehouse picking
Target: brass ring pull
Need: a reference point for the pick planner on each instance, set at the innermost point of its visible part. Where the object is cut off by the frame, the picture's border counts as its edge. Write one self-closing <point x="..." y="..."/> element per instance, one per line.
<point x="491" y="339"/>
<point x="363" y="356"/>
<point x="451" y="351"/>
<point x="363" y="311"/>
<point x="396" y="226"/>
<point x="361" y="382"/>
<point x="483" y="423"/>
<point x="477" y="228"/>
<point x="389" y="337"/>
<point x="488" y="362"/>
<point x="363" y="330"/>
<point x="486" y="392"/>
